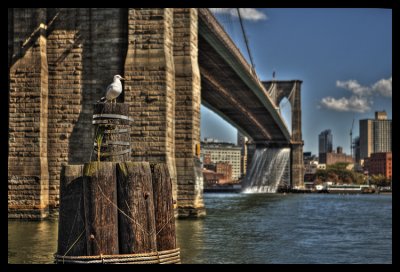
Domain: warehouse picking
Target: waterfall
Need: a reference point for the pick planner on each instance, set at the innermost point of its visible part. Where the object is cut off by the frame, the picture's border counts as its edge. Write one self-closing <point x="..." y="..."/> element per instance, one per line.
<point x="270" y="168"/>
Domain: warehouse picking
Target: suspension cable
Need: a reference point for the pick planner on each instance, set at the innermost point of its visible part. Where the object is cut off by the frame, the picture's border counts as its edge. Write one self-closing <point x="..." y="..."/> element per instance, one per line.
<point x="245" y="39"/>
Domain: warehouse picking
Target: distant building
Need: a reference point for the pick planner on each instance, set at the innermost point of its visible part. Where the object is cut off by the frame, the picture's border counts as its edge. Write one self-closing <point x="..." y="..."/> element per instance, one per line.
<point x="306" y="155"/>
<point x="223" y="152"/>
<point x="375" y="135"/>
<point x="332" y="157"/>
<point x="211" y="178"/>
<point x="356" y="149"/>
<point x="224" y="168"/>
<point x="310" y="169"/>
<point x="310" y="162"/>
<point x="242" y="142"/>
<point x="210" y="166"/>
<point x="379" y="163"/>
<point x="206" y="159"/>
<point x="325" y="142"/>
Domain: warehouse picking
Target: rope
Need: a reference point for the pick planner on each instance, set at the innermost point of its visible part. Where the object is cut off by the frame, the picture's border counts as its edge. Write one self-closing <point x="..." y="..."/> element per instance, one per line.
<point x="112" y="203"/>
<point x="73" y="224"/>
<point x="133" y="220"/>
<point x="74" y="242"/>
<point x="170" y="256"/>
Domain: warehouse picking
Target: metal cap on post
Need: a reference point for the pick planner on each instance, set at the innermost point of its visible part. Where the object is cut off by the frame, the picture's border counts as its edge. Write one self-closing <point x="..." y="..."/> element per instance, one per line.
<point x="111" y="139"/>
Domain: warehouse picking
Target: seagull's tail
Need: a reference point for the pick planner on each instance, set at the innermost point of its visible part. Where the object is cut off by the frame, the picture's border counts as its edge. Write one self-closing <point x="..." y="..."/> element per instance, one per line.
<point x="103" y="99"/>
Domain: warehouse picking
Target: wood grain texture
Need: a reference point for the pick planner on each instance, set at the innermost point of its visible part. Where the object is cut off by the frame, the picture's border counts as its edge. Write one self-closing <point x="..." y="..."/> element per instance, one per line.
<point x="136" y="216"/>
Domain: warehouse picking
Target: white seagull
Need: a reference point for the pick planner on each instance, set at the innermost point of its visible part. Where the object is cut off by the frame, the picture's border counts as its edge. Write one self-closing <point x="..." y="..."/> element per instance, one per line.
<point x="113" y="90"/>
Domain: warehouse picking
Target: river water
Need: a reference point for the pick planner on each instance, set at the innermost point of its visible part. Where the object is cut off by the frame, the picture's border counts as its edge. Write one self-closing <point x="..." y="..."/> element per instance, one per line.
<point x="257" y="228"/>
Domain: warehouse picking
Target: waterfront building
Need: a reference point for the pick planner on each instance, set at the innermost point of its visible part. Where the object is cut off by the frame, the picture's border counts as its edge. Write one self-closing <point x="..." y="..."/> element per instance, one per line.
<point x="211" y="177"/>
<point x="223" y="152"/>
<point x="225" y="169"/>
<point x="375" y="135"/>
<point x="379" y="163"/>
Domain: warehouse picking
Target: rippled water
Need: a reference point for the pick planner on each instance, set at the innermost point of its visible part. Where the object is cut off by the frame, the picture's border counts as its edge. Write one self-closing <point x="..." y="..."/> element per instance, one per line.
<point x="257" y="228"/>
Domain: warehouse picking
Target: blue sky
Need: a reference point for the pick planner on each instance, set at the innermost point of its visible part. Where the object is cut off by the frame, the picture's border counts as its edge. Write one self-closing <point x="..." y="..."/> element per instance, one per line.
<point x="342" y="55"/>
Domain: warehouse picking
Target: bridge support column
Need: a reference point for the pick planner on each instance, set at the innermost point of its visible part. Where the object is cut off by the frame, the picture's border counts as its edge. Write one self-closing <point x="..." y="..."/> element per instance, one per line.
<point x="150" y="86"/>
<point x="28" y="173"/>
<point x="297" y="163"/>
<point x="187" y="114"/>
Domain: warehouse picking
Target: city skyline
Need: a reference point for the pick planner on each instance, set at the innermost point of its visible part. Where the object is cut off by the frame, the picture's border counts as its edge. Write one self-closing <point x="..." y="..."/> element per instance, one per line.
<point x="345" y="65"/>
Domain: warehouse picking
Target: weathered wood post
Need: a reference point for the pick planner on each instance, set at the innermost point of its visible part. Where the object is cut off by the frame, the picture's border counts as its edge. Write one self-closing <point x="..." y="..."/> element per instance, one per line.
<point x="100" y="203"/>
<point x="135" y="200"/>
<point x="164" y="207"/>
<point x="71" y="230"/>
<point x="113" y="210"/>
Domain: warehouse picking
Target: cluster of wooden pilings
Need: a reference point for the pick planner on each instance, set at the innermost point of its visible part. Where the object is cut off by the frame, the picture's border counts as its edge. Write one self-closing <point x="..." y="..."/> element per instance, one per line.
<point x="113" y="210"/>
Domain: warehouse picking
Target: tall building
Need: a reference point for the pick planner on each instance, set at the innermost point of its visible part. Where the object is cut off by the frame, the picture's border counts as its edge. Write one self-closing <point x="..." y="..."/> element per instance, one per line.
<point x="325" y="142"/>
<point x="375" y="135"/>
<point x="242" y="142"/>
<point x="223" y="152"/>
<point x="356" y="149"/>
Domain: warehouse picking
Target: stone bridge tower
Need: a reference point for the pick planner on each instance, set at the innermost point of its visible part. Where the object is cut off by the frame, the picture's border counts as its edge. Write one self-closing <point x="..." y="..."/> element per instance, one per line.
<point x="60" y="61"/>
<point x="291" y="89"/>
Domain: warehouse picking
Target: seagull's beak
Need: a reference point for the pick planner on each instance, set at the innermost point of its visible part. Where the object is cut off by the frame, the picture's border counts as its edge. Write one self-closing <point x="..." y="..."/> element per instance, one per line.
<point x="122" y="78"/>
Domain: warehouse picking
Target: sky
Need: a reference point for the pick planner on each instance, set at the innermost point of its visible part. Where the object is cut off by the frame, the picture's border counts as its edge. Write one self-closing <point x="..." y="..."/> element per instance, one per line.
<point x="342" y="55"/>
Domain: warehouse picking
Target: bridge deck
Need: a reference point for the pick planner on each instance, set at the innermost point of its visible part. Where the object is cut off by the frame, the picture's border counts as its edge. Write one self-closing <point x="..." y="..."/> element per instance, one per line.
<point x="231" y="88"/>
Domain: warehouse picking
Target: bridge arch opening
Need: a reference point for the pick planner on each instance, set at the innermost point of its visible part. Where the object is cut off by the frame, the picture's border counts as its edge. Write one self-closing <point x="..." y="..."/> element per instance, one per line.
<point x="213" y="126"/>
<point x="285" y="109"/>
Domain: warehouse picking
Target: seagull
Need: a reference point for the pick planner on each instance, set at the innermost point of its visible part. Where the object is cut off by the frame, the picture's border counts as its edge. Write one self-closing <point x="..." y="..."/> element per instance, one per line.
<point x="113" y="90"/>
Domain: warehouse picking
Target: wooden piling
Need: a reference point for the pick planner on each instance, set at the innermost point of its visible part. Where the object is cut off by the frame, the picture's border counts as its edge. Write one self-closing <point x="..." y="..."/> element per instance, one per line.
<point x="135" y="201"/>
<point x="113" y="210"/>
<point x="100" y="203"/>
<point x="71" y="230"/>
<point x="164" y="207"/>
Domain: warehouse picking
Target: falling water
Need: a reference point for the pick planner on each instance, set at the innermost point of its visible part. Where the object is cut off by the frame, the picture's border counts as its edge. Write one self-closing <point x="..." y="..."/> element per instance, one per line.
<point x="270" y="169"/>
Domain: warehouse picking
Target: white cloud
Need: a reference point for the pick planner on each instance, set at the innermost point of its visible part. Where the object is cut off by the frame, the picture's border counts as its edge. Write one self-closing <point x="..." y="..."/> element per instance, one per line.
<point x="354" y="103"/>
<point x="251" y="14"/>
<point x="361" y="98"/>
<point x="383" y="87"/>
<point x="354" y="87"/>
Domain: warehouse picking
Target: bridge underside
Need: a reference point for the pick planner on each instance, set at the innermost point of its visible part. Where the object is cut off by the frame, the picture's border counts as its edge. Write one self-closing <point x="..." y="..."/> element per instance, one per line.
<point x="225" y="93"/>
<point x="231" y="88"/>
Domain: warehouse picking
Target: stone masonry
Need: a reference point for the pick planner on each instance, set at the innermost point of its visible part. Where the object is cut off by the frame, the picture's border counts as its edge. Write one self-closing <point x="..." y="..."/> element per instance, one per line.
<point x="150" y="86"/>
<point x="187" y="113"/>
<point x="61" y="60"/>
<point x="28" y="178"/>
<point x="291" y="89"/>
